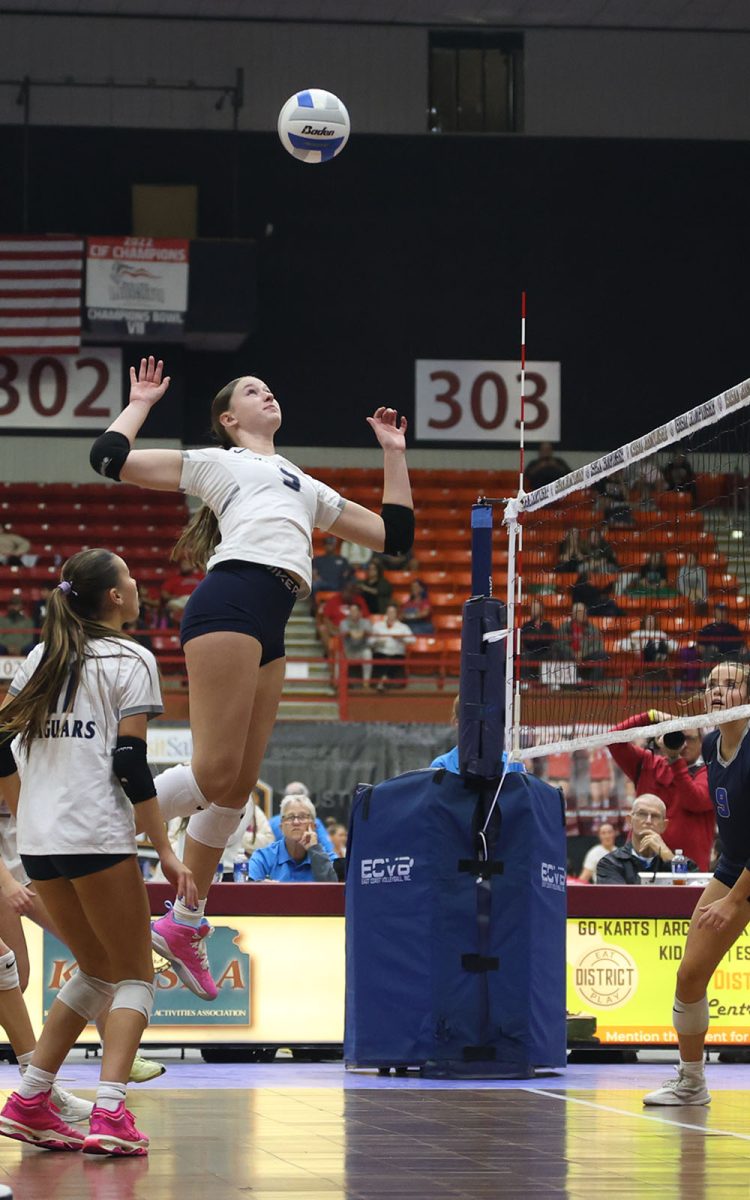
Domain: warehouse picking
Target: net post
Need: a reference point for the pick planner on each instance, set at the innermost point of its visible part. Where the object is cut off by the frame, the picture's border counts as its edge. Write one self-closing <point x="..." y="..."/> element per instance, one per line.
<point x="512" y="714"/>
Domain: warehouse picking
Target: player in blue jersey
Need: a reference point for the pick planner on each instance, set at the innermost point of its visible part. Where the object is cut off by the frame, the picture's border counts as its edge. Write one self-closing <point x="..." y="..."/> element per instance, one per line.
<point x="723" y="910"/>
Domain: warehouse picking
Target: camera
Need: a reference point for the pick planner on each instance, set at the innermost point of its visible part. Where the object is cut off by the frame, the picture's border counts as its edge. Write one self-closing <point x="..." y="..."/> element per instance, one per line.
<point x="674" y="740"/>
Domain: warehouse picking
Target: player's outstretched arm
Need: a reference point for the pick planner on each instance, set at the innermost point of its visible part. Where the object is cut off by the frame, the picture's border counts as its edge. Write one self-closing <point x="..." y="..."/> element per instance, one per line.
<point x="112" y="454"/>
<point x="392" y="530"/>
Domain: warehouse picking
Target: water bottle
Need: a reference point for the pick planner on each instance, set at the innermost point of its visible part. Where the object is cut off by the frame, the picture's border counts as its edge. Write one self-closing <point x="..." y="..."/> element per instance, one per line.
<point x="240" y="868"/>
<point x="219" y="872"/>
<point x="679" y="868"/>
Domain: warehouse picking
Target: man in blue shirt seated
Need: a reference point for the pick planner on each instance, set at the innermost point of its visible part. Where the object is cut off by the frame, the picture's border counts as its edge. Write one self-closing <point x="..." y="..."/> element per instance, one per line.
<point x="645" y="850"/>
<point x="298" y="857"/>
<point x="300" y="789"/>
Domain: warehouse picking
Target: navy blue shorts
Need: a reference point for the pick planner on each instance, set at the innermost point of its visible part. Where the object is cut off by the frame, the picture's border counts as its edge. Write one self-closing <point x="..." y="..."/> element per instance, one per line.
<point x="242" y="597"/>
<point x="68" y="866"/>
<point x="728" y="872"/>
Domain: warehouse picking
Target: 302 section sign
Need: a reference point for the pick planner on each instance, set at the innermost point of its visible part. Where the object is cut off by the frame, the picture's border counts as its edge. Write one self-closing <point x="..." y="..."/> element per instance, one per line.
<point x="474" y="400"/>
<point x="73" y="392"/>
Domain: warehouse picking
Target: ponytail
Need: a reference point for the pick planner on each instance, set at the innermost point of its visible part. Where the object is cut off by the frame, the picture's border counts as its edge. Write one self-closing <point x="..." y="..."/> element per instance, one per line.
<point x="72" y="620"/>
<point x="201" y="535"/>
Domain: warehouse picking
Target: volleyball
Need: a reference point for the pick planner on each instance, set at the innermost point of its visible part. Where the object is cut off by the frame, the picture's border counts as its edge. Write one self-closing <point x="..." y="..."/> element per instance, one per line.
<point x="313" y="125"/>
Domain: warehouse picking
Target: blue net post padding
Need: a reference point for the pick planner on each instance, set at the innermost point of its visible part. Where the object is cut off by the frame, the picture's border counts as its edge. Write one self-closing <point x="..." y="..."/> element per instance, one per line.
<point x="455" y="965"/>
<point x="481" y="715"/>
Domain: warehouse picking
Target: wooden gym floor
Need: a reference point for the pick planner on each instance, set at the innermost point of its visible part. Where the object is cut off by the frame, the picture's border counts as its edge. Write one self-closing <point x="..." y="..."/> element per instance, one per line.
<point x="291" y="1131"/>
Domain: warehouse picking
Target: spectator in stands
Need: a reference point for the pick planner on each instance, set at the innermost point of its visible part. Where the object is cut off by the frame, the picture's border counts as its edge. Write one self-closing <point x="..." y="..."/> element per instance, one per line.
<point x="606" y="845"/>
<point x="645" y="849"/>
<point x="375" y="588"/>
<point x="416" y="612"/>
<point x="719" y="639"/>
<point x="579" y="639"/>
<point x="339" y="838"/>
<point x="336" y="608"/>
<point x="599" y="556"/>
<point x="355" y="632"/>
<point x="537" y="641"/>
<point x="257" y="832"/>
<point x="16" y="627"/>
<point x="330" y="570"/>
<point x="390" y="637"/>
<point x="297" y="788"/>
<point x="39" y="608"/>
<point x="178" y="587"/>
<point x="545" y="468"/>
<point x="571" y="554"/>
<point x="679" y="477"/>
<point x="14" y="550"/>
<point x="679" y="777"/>
<point x="651" y="643"/>
<point x="613" y="502"/>
<point x="356" y="556"/>
<point x="298" y="856"/>
<point x="652" y="576"/>
<point x="692" y="581"/>
<point x="597" y="597"/>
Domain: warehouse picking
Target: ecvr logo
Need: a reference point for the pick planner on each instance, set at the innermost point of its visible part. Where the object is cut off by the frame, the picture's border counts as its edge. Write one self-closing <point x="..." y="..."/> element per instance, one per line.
<point x="386" y="870"/>
<point x="553" y="877"/>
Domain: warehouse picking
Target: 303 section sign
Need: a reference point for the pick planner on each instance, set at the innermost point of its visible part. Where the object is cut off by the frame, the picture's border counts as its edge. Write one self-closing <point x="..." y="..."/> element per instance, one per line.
<point x="74" y="392"/>
<point x="473" y="400"/>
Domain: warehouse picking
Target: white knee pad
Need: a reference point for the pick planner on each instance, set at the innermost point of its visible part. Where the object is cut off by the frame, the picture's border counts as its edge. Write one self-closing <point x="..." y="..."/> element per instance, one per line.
<point x="178" y="793"/>
<point x="690" y="1018"/>
<point x="214" y="825"/>
<point x="8" y="972"/>
<point x="135" y="994"/>
<point x="86" y="995"/>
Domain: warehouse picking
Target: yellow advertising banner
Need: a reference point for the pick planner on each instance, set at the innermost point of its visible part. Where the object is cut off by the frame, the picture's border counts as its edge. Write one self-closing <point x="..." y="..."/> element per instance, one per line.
<point x="622" y="971"/>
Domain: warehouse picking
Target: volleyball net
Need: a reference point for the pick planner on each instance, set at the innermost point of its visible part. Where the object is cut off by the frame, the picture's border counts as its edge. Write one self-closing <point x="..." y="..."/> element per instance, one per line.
<point x="627" y="585"/>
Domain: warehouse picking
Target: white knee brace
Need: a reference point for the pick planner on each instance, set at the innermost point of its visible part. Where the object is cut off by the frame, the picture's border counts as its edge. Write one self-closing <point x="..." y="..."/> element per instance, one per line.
<point x="178" y="793"/>
<point x="690" y="1018"/>
<point x="214" y="825"/>
<point x="86" y="995"/>
<point x="135" y="994"/>
<point x="8" y="972"/>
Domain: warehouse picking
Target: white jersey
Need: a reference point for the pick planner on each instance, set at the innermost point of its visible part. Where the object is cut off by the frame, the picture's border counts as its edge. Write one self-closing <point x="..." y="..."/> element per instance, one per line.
<point x="266" y="507"/>
<point x="71" y="801"/>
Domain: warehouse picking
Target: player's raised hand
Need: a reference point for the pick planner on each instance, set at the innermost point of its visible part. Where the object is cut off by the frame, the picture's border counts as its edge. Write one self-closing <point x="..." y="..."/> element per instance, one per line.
<point x="390" y="432"/>
<point x="150" y="384"/>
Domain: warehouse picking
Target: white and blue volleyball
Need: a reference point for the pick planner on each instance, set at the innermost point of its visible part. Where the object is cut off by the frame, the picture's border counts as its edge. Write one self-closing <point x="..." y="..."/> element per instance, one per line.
<point x="313" y="125"/>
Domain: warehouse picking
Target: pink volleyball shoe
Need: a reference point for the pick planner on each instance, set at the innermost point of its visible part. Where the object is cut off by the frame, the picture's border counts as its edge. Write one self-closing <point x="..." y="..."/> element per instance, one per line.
<point x="114" y="1133"/>
<point x="38" y="1122"/>
<point x="185" y="947"/>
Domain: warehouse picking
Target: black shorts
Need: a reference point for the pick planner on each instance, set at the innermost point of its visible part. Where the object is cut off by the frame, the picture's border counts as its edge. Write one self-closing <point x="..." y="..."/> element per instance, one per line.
<point x="243" y="597"/>
<point x="728" y="872"/>
<point x="68" y="866"/>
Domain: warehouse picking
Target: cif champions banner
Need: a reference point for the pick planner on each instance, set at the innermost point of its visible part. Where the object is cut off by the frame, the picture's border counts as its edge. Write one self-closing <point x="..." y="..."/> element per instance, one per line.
<point x="136" y="287"/>
<point x="622" y="971"/>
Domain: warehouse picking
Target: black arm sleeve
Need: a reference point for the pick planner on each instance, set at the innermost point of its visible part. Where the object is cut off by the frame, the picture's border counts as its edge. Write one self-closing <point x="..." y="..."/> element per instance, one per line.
<point x="108" y="454"/>
<point x="399" y="528"/>
<point x="8" y="765"/>
<point x="132" y="769"/>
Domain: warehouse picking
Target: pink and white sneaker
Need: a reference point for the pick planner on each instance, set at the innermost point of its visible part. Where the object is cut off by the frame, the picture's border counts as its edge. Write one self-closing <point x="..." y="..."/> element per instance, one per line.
<point x="114" y="1133"/>
<point x="185" y="947"/>
<point x="38" y="1122"/>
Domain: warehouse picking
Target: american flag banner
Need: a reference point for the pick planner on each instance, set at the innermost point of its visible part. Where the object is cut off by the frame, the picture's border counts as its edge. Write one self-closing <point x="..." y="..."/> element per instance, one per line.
<point x="40" y="295"/>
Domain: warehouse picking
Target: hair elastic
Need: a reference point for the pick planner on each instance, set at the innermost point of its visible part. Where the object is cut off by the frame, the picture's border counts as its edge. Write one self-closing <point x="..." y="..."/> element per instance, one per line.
<point x="65" y="587"/>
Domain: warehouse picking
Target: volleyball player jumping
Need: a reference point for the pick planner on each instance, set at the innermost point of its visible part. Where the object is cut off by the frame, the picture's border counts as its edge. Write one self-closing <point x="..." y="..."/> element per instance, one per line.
<point x="80" y="703"/>
<point x="254" y="537"/>
<point x="723" y="910"/>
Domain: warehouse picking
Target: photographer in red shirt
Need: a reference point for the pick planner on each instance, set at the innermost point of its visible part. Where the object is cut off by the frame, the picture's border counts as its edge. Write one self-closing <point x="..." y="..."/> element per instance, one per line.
<point x="676" y="773"/>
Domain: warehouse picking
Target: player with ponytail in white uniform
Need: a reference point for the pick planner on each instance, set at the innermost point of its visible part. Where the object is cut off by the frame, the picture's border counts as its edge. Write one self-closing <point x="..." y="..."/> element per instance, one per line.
<point x="254" y="537"/>
<point x="79" y="705"/>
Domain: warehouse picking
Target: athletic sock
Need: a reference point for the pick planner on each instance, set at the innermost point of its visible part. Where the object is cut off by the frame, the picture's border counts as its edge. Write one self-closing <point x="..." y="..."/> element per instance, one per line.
<point x="693" y="1070"/>
<point x="188" y="916"/>
<point x="24" y="1061"/>
<point x="35" y="1081"/>
<point x="110" y="1095"/>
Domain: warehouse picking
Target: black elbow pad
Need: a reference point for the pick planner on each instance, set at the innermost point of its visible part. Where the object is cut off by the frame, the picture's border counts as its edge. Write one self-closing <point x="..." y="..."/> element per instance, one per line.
<point x="7" y="761"/>
<point x="399" y="528"/>
<point x="132" y="769"/>
<point x="108" y="454"/>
